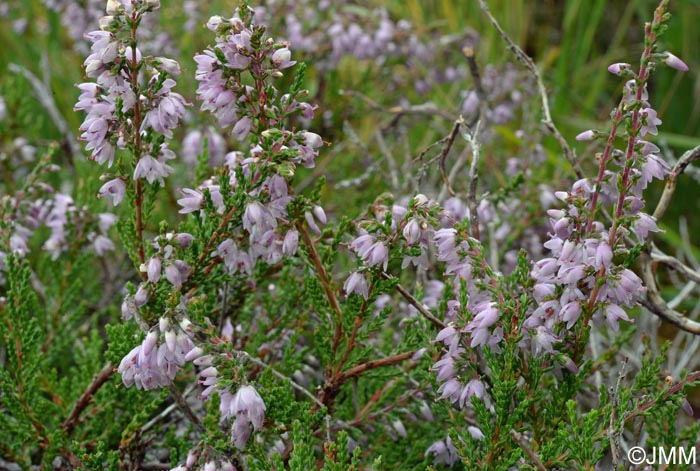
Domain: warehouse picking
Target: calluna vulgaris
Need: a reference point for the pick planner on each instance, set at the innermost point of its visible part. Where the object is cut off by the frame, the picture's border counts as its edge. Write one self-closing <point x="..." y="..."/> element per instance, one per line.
<point x="257" y="332"/>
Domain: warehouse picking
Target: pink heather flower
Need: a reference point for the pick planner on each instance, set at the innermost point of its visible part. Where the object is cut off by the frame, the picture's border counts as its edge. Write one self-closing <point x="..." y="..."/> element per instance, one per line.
<point x="603" y="255"/>
<point x="291" y="242"/>
<point x="449" y="336"/>
<point x="167" y="109"/>
<point x="149" y="366"/>
<point x="183" y="239"/>
<point x="570" y="313"/>
<point x="311" y="223"/>
<point x="248" y="408"/>
<point x="542" y="340"/>
<point x="650" y="121"/>
<point x="281" y="58"/>
<point x="444" y="452"/>
<point x="618" y="68"/>
<point x="312" y="140"/>
<point x="674" y="62"/>
<point x="115" y="189"/>
<point x="631" y="92"/>
<point x="645" y="224"/>
<point x="172" y="273"/>
<point x="154" y="269"/>
<point x="356" y="283"/>
<point x="320" y="214"/>
<point x="378" y="255"/>
<point x="613" y="313"/>
<point x="141" y="296"/>
<point x="475" y="432"/>
<point x="192" y="201"/>
<point x="446" y="367"/>
<point x="412" y="231"/>
<point x="586" y="135"/>
<point x="102" y="244"/>
<point x="242" y="128"/>
<point x="151" y="169"/>
<point x="168" y="65"/>
<point x="257" y="219"/>
<point x="654" y="167"/>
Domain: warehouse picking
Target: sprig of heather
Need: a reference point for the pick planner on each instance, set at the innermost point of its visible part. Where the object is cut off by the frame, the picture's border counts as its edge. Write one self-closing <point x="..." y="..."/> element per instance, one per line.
<point x="24" y="211"/>
<point x="587" y="276"/>
<point x="131" y="106"/>
<point x="244" y="214"/>
<point x="590" y="254"/>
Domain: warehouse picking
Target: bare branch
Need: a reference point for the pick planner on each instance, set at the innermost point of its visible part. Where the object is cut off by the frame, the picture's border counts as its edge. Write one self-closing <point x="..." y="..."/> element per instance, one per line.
<point x="530" y="65"/>
<point x="85" y="398"/>
<point x="446" y="150"/>
<point x="415" y="303"/>
<point x="658" y="256"/>
<point x="528" y="451"/>
<point x="473" y="139"/>
<point x="656" y="304"/>
<point x="281" y="376"/>
<point x="686" y="159"/>
<point x="185" y="407"/>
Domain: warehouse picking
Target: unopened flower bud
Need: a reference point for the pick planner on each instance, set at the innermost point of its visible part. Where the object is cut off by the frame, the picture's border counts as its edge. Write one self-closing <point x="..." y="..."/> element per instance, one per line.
<point x="674" y="62"/>
<point x="618" y="68"/>
<point x="586" y="135"/>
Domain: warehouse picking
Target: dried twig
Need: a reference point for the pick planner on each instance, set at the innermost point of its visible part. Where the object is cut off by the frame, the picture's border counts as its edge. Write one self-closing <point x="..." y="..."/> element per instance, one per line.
<point x="658" y="256"/>
<point x="656" y="304"/>
<point x="185" y="407"/>
<point x="686" y="159"/>
<point x="148" y="425"/>
<point x="416" y="304"/>
<point x="446" y="150"/>
<point x="532" y="67"/>
<point x="473" y="139"/>
<point x="429" y="108"/>
<point x="528" y="451"/>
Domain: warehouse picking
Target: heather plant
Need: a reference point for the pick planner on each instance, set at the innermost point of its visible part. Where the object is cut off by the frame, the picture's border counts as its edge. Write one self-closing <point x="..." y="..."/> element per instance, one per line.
<point x="193" y="293"/>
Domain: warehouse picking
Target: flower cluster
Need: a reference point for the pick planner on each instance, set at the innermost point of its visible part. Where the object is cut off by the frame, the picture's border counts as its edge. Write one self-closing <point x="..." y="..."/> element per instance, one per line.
<point x="157" y="360"/>
<point x="121" y="111"/>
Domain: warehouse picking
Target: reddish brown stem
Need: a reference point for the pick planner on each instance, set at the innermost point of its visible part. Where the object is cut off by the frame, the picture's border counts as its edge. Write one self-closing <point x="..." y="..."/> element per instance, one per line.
<point x="602" y="164"/>
<point x="138" y="204"/>
<point x="102" y="377"/>
<point x="372" y="364"/>
<point x="327" y="287"/>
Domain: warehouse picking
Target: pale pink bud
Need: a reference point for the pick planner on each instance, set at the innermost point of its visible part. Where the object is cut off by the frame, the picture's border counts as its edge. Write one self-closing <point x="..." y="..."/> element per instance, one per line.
<point x="674" y="62"/>
<point x="618" y="68"/>
<point x="196" y="352"/>
<point x="154" y="268"/>
<point x="150" y="342"/>
<point x="586" y="135"/>
<point x="141" y="296"/>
